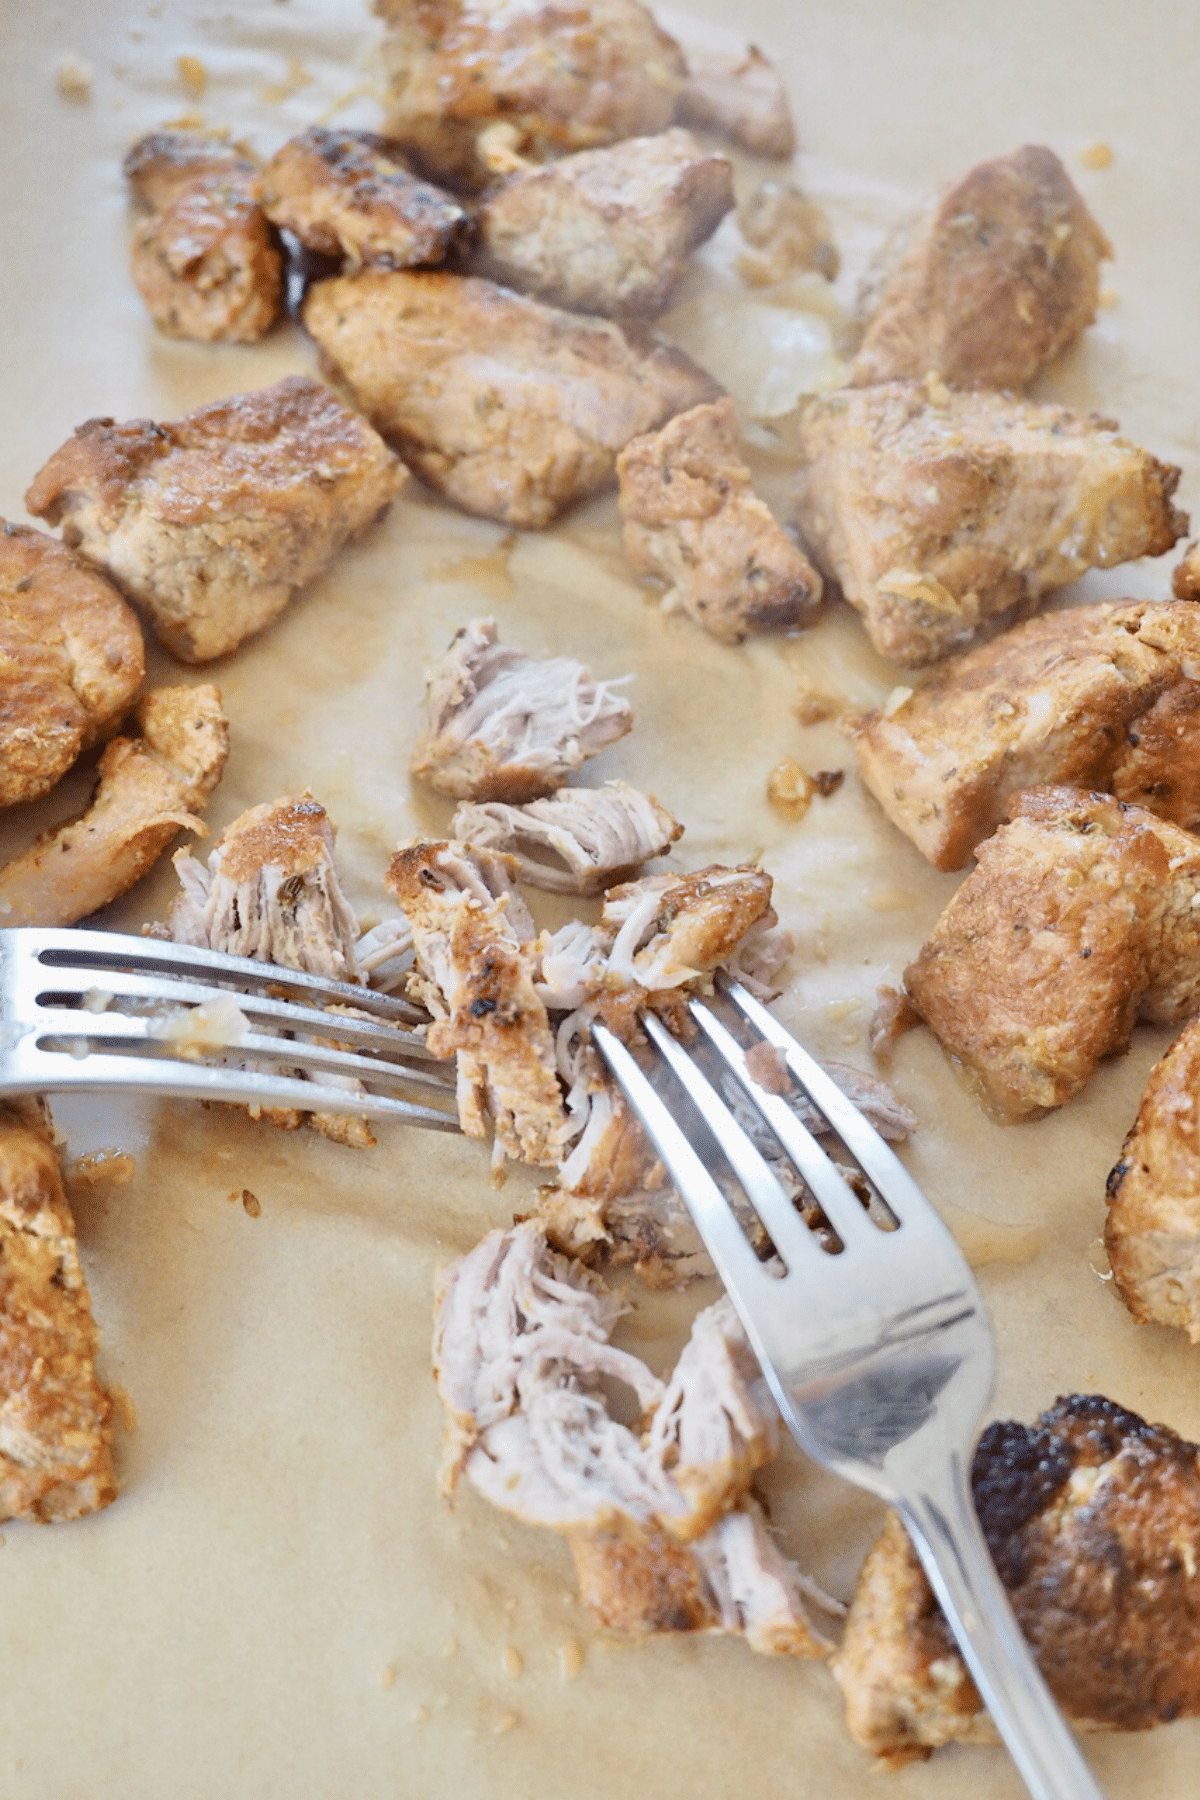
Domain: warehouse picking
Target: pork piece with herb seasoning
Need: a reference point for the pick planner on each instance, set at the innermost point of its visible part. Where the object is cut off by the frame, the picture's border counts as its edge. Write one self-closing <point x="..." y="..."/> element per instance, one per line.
<point x="936" y="511"/>
<point x="663" y="1529"/>
<point x="1098" y="697"/>
<point x="478" y="87"/>
<point x="577" y="841"/>
<point x="1082" y="917"/>
<point x="988" y="283"/>
<point x="1153" y="1230"/>
<point x="1093" y="1519"/>
<point x="148" y="789"/>
<point x="501" y="725"/>
<point x="55" y="1430"/>
<point x="508" y="407"/>
<point x="605" y="231"/>
<point x="740" y="94"/>
<point x="204" y="257"/>
<point x="692" y="518"/>
<point x="349" y="194"/>
<point x="71" y="661"/>
<point x="213" y="522"/>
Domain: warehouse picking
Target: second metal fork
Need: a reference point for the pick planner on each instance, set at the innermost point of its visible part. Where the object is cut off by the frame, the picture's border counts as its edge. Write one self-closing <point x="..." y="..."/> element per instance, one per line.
<point x="880" y="1357"/>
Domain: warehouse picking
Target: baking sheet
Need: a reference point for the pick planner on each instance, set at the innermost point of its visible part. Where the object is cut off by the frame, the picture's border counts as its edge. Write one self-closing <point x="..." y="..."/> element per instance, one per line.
<point x="279" y="1604"/>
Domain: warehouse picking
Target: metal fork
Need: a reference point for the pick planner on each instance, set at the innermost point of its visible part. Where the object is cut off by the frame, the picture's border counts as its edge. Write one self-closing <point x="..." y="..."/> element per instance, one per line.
<point x="880" y="1358"/>
<point x="95" y="1010"/>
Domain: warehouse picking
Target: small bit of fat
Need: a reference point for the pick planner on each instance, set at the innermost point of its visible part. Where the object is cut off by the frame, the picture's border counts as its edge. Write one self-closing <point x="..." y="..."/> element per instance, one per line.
<point x="216" y="1025"/>
<point x="790" y="789"/>
<point x="570" y="1659"/>
<point x="73" y="77"/>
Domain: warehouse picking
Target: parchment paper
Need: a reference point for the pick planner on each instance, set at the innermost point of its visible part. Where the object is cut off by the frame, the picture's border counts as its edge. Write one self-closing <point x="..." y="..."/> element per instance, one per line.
<point x="279" y="1604"/>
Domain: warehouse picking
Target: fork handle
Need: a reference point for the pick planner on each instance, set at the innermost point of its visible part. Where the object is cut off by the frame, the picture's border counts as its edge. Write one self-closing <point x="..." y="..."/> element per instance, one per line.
<point x="943" y="1525"/>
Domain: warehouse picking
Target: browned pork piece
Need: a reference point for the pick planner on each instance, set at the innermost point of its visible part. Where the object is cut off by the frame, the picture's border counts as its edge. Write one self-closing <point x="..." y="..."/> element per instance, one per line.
<point x="475" y="972"/>
<point x="740" y="94"/>
<point x="478" y="86"/>
<point x="1153" y="1230"/>
<point x="789" y="234"/>
<point x="1100" y="697"/>
<point x="70" y="661"/>
<point x="664" y="1534"/>
<point x="692" y="518"/>
<point x="1186" y="579"/>
<point x="211" y="523"/>
<point x="55" y="1432"/>
<point x="935" y="511"/>
<point x="501" y="725"/>
<point x="510" y="408"/>
<point x="205" y="259"/>
<point x="348" y="194"/>
<point x="1093" y="1518"/>
<point x="576" y="842"/>
<point x="988" y="283"/>
<point x="605" y="231"/>
<point x="1082" y="917"/>
<point x="148" y="790"/>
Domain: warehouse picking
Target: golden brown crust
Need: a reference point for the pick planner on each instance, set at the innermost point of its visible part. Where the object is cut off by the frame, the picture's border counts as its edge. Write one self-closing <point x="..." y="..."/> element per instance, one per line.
<point x="161" y="165"/>
<point x="637" y="1579"/>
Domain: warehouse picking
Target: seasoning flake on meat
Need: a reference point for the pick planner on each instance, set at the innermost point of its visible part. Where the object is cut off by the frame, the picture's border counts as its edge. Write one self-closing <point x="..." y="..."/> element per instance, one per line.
<point x="605" y="231"/>
<point x="986" y="285"/>
<point x="692" y="518"/>
<point x="577" y="841"/>
<point x="211" y="523"/>
<point x="1093" y="1519"/>
<point x="476" y="87"/>
<point x="501" y="725"/>
<point x="349" y="194"/>
<point x="71" y="661"/>
<point x="204" y="257"/>
<point x="511" y="408"/>
<point x="742" y="95"/>
<point x="1099" y="697"/>
<point x="1082" y="917"/>
<point x="149" y="788"/>
<point x="55" y="1418"/>
<point x="937" y="510"/>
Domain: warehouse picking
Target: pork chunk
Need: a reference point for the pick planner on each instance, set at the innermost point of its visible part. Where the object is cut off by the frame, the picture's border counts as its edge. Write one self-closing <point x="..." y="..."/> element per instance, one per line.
<point x="348" y="194"/>
<point x="1093" y="697"/>
<point x="936" y="511"/>
<point x="667" y="931"/>
<point x="71" y="661"/>
<point x="55" y="1430"/>
<point x="211" y="523"/>
<point x="148" y="789"/>
<point x="989" y="283"/>
<point x="1153" y="1230"/>
<point x="1082" y="916"/>
<point x="605" y="231"/>
<point x="692" y="518"/>
<point x="501" y="725"/>
<point x="479" y="86"/>
<point x="1093" y="1518"/>
<point x="576" y="842"/>
<point x="205" y="259"/>
<point x="510" y="408"/>
<point x="789" y="234"/>
<point x="743" y="96"/>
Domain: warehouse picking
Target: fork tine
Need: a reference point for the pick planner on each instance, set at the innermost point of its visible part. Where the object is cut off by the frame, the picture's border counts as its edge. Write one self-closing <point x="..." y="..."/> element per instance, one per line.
<point x="783" y="1225"/>
<point x="723" y="1237"/>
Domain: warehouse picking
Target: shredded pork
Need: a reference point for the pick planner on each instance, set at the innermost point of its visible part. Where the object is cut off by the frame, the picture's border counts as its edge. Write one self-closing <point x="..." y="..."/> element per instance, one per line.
<point x="577" y="841"/>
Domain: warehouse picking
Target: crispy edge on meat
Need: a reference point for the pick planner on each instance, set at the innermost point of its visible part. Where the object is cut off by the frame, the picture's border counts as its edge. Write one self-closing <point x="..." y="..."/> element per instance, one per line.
<point x="605" y="231"/>
<point x="1093" y="1518"/>
<point x="164" y="164"/>
<point x="1082" y="916"/>
<point x="989" y="283"/>
<point x="511" y="408"/>
<point x="1152" y="1234"/>
<point x="937" y="510"/>
<point x="691" y="518"/>
<point x="349" y="194"/>
<point x="55" y="1431"/>
<point x="742" y="95"/>
<point x="71" y="660"/>
<point x="598" y="835"/>
<point x="501" y="725"/>
<point x="1095" y="697"/>
<point x="477" y="87"/>
<point x="149" y="788"/>
<point x="213" y="522"/>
